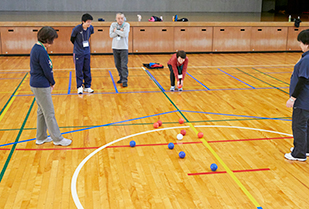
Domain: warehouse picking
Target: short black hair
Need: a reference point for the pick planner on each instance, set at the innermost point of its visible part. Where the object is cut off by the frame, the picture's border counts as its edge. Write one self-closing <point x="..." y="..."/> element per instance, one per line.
<point x="86" y="17"/>
<point x="303" y="36"/>
<point x="181" y="54"/>
<point x="47" y="35"/>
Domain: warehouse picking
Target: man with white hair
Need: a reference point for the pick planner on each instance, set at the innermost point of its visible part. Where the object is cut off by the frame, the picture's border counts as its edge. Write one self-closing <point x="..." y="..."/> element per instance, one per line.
<point x="119" y="32"/>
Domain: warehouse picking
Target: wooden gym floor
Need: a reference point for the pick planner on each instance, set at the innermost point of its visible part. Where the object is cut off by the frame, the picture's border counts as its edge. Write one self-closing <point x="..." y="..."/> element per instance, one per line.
<point x="236" y="100"/>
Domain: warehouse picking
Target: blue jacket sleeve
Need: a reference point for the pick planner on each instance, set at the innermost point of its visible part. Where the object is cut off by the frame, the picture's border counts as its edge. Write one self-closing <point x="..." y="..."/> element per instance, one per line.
<point x="47" y="67"/>
<point x="73" y="35"/>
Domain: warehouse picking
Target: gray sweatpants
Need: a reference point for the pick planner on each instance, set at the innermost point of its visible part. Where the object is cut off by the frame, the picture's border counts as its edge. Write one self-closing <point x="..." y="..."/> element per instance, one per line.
<point x="46" y="115"/>
<point x="121" y="62"/>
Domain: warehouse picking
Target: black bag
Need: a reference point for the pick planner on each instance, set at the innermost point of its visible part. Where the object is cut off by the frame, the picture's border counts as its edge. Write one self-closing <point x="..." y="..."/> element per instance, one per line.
<point x="297" y="22"/>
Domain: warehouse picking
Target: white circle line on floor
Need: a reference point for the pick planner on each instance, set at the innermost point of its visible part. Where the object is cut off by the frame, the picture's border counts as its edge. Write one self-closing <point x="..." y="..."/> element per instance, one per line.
<point x="80" y="166"/>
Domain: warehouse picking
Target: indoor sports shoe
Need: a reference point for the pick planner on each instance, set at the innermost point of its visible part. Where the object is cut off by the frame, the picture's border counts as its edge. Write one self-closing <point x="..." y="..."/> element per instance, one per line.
<point x="80" y="90"/>
<point x="48" y="139"/>
<point x="172" y="88"/>
<point x="180" y="89"/>
<point x="119" y="81"/>
<point x="307" y="154"/>
<point x="290" y="157"/>
<point x="63" y="142"/>
<point x="124" y="84"/>
<point x="89" y="90"/>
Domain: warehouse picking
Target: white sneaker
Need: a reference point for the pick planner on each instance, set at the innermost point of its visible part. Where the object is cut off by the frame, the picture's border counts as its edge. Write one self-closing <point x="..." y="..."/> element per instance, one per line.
<point x="63" y="142"/>
<point x="307" y="154"/>
<point x="48" y="139"/>
<point x="80" y="90"/>
<point x="180" y="89"/>
<point x="89" y="90"/>
<point x="290" y="157"/>
<point x="172" y="88"/>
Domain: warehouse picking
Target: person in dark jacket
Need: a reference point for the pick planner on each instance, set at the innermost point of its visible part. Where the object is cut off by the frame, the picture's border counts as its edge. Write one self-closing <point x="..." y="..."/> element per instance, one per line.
<point x="299" y="101"/>
<point x="81" y="53"/>
<point x="42" y="83"/>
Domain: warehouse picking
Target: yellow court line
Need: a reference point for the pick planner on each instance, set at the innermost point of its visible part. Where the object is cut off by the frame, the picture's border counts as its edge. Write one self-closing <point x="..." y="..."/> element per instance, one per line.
<point x="229" y="171"/>
<point x="13" y="98"/>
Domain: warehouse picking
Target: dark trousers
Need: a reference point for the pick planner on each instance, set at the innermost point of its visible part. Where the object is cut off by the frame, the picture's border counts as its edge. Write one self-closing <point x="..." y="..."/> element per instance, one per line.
<point x="172" y="76"/>
<point x="300" y="123"/>
<point x="82" y="70"/>
<point x="121" y="63"/>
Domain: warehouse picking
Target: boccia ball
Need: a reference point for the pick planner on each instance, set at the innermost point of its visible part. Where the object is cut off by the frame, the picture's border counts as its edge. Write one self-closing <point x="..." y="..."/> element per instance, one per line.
<point x="156" y="125"/>
<point x="132" y="143"/>
<point x="213" y="167"/>
<point x="159" y="122"/>
<point x="179" y="136"/>
<point x="183" y="132"/>
<point x="171" y="145"/>
<point x="182" y="154"/>
<point x="181" y="120"/>
<point x="200" y="135"/>
<point x="179" y="86"/>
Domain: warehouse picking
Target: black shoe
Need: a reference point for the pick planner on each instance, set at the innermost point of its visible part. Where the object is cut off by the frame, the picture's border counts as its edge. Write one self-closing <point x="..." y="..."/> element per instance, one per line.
<point x="125" y="84"/>
<point x="119" y="81"/>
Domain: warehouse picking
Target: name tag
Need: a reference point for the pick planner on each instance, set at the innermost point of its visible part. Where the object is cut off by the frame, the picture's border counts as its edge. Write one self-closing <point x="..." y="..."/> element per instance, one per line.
<point x="118" y="38"/>
<point x="179" y="76"/>
<point x="85" y="43"/>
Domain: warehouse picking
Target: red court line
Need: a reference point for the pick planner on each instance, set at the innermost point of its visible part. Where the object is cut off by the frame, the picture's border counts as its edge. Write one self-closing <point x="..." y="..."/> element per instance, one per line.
<point x="257" y="139"/>
<point x="117" y="146"/>
<point x="148" y="145"/>
<point x="235" y="171"/>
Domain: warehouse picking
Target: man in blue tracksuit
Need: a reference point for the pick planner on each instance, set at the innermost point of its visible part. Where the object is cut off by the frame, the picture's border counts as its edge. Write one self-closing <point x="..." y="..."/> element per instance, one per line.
<point x="299" y="101"/>
<point x="81" y="53"/>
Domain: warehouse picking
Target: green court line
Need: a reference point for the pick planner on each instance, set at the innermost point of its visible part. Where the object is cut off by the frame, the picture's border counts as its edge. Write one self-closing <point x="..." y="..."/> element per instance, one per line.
<point x="140" y="124"/>
<point x="270" y="76"/>
<point x="13" y="94"/>
<point x="162" y="90"/>
<point x="16" y="140"/>
<point x="263" y="81"/>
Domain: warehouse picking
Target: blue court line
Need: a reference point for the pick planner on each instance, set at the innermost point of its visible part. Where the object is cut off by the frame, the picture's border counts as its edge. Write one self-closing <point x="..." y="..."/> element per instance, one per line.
<point x="9" y="78"/>
<point x="70" y="81"/>
<point x="108" y="124"/>
<point x="153" y="78"/>
<point x="235" y="89"/>
<point x="98" y="126"/>
<point x="244" y="116"/>
<point x="198" y="81"/>
<point x="113" y="81"/>
<point x="236" y="78"/>
<point x="141" y="92"/>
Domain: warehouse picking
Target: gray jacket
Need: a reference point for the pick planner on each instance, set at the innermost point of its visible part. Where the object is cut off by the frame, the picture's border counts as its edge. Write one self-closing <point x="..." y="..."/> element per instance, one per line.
<point x="120" y="38"/>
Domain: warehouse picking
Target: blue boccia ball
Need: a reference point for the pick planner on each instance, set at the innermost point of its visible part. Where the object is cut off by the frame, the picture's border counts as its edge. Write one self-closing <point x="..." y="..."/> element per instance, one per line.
<point x="132" y="143"/>
<point x="213" y="167"/>
<point x="171" y="145"/>
<point x="182" y="154"/>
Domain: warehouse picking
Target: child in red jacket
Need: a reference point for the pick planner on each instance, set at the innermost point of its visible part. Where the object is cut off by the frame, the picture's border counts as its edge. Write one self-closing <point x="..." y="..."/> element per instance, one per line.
<point x="178" y="68"/>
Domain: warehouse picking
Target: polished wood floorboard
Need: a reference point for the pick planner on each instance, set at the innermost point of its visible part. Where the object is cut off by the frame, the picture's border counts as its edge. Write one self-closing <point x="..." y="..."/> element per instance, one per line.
<point x="236" y="100"/>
